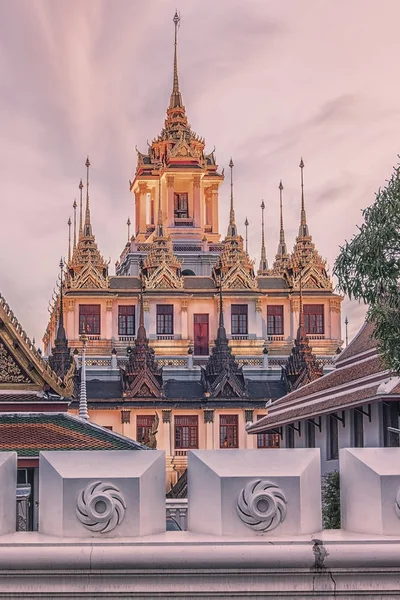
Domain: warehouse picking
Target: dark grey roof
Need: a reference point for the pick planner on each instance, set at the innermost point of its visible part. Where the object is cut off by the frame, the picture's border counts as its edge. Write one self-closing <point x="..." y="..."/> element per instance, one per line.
<point x="185" y="390"/>
<point x="198" y="282"/>
<point x="185" y="393"/>
<point x="266" y="389"/>
<point x="103" y="389"/>
<point x="121" y="282"/>
<point x="272" y="283"/>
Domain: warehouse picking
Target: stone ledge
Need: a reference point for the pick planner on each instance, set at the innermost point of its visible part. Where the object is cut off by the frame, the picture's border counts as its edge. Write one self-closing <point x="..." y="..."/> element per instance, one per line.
<point x="185" y="550"/>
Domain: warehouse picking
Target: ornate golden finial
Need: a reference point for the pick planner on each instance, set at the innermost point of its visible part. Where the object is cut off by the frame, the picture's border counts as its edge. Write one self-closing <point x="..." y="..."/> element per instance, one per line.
<point x="282" y="250"/>
<point x="88" y="227"/>
<point x="303" y="231"/>
<point x="129" y="228"/>
<point x="69" y="223"/>
<point x="246" y="224"/>
<point x="232" y="225"/>
<point x="80" y="209"/>
<point x="263" y="268"/>
<point x="160" y="228"/>
<point x="74" y="207"/>
<point x="176" y="98"/>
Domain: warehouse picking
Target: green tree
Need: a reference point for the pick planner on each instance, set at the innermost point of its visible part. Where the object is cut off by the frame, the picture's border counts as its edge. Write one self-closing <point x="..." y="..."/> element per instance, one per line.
<point x="368" y="268"/>
<point x="331" y="500"/>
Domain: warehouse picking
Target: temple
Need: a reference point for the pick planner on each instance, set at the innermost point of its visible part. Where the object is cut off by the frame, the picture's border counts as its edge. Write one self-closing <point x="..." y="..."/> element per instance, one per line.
<point x="187" y="342"/>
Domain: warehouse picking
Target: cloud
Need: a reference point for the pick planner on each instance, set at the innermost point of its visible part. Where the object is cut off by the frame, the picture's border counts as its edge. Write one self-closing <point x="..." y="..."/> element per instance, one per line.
<point x="264" y="82"/>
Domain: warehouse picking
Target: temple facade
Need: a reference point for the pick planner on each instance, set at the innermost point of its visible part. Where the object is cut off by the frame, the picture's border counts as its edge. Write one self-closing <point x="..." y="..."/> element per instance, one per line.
<point x="175" y="278"/>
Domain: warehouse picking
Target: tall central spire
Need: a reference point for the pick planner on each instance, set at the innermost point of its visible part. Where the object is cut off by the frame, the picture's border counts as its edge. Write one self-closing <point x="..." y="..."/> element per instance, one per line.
<point x="88" y="225"/>
<point x="232" y="230"/>
<point x="263" y="268"/>
<point x="303" y="230"/>
<point x="176" y="97"/>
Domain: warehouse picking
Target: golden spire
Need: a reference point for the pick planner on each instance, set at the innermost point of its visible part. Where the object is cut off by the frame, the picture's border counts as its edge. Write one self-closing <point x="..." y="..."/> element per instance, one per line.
<point x="263" y="268"/>
<point x="303" y="230"/>
<point x="246" y="224"/>
<point x="129" y="228"/>
<point x="69" y="223"/>
<point x="74" y="207"/>
<point x="176" y="98"/>
<point x="88" y="226"/>
<point x="232" y="231"/>
<point x="160" y="228"/>
<point x="282" y="249"/>
<point x="80" y="209"/>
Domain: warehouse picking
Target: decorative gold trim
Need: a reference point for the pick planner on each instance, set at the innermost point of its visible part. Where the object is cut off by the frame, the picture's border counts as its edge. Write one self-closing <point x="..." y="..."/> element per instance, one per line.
<point x="294" y="305"/>
<point x="334" y="304"/>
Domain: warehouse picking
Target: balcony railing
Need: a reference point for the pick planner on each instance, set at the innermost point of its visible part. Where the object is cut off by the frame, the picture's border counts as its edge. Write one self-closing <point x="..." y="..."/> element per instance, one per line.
<point x="169" y="336"/>
<point x="314" y="336"/>
<point x="98" y="361"/>
<point x="126" y="338"/>
<point x="177" y="509"/>
<point x="181" y="452"/>
<point x="239" y="336"/>
<point x="183" y="222"/>
<point x="275" y="338"/>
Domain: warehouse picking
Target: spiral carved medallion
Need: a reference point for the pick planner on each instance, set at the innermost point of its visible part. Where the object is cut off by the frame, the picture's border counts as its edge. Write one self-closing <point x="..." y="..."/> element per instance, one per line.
<point x="100" y="507"/>
<point x="262" y="505"/>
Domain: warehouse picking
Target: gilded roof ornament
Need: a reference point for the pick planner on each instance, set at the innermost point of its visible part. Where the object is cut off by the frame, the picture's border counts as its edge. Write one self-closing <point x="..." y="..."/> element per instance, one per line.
<point x="236" y="266"/>
<point x="60" y="359"/>
<point x="305" y="261"/>
<point x="263" y="267"/>
<point x="223" y="377"/>
<point x="87" y="268"/>
<point x="301" y="367"/>
<point x="282" y="256"/>
<point x="142" y="377"/>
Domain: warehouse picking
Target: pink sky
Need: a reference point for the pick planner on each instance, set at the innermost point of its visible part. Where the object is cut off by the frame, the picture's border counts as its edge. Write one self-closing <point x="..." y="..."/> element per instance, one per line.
<point x="265" y="81"/>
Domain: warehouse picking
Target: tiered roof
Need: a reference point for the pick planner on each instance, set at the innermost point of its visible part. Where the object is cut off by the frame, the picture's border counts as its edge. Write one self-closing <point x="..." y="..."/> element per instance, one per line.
<point x="305" y="262"/>
<point x="22" y="368"/>
<point x="222" y="376"/>
<point x="236" y="269"/>
<point x="87" y="269"/>
<point x="301" y="366"/>
<point x="177" y="145"/>
<point x="359" y="378"/>
<point x="31" y="433"/>
<point x="142" y="377"/>
<point x="61" y="360"/>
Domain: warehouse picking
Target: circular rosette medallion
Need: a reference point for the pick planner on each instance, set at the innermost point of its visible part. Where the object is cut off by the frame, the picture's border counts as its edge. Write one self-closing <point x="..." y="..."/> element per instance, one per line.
<point x="262" y="505"/>
<point x="100" y="507"/>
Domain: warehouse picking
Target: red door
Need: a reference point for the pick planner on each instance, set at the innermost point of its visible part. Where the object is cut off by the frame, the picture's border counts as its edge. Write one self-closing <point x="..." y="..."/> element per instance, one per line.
<point x="201" y="339"/>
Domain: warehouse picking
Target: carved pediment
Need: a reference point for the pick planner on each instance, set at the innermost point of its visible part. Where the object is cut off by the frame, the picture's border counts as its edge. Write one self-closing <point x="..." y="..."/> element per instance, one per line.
<point x="164" y="278"/>
<point x="10" y="370"/>
<point x="89" y="278"/>
<point x="239" y="278"/>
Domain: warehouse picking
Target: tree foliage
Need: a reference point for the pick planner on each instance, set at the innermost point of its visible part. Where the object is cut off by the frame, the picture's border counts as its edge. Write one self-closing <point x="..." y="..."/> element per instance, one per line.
<point x="368" y="268"/>
<point x="331" y="500"/>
